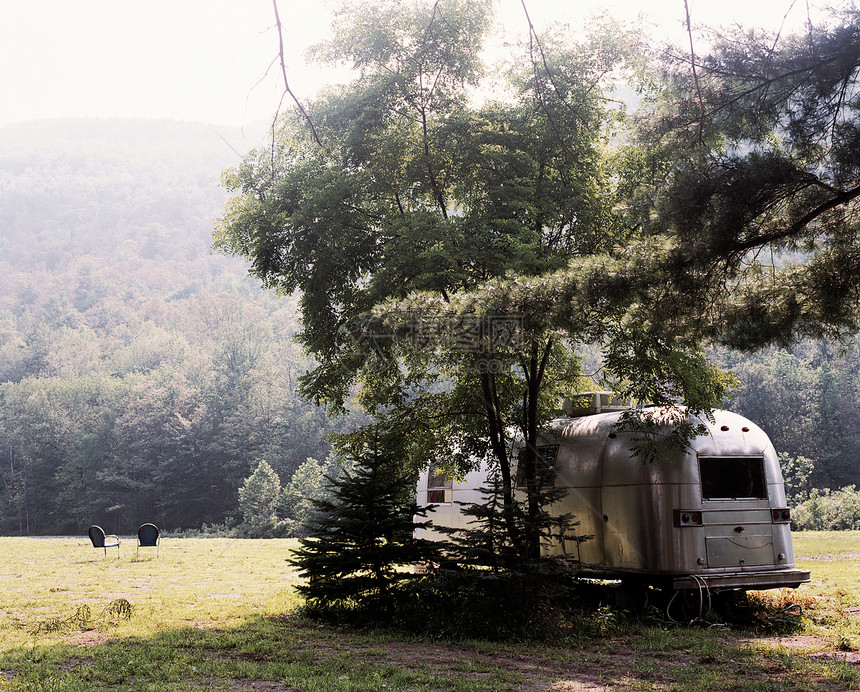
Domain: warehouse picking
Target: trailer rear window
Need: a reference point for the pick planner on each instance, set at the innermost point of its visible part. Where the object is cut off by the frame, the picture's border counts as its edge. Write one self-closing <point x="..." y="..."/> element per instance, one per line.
<point x="732" y="478"/>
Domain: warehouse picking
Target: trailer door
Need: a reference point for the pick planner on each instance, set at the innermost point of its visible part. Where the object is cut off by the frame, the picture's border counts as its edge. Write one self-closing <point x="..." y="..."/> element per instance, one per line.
<point x="736" y="511"/>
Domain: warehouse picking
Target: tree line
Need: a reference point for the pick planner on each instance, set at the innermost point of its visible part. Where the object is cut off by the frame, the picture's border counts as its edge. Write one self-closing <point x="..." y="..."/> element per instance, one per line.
<point x="156" y="417"/>
<point x="141" y="378"/>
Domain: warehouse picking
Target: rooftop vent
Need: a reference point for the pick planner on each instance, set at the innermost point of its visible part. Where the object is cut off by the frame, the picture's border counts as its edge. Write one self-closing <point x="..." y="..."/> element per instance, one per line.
<point x="589" y="403"/>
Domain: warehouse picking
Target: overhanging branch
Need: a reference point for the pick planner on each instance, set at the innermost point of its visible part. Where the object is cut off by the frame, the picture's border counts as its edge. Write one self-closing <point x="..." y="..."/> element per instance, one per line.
<point x="795" y="228"/>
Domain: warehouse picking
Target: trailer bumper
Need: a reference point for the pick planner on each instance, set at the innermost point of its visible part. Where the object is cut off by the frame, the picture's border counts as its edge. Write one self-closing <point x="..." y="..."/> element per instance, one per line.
<point x="771" y="579"/>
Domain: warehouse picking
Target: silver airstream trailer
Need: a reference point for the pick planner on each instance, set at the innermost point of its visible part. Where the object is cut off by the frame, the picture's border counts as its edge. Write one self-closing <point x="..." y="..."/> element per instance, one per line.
<point x="712" y="517"/>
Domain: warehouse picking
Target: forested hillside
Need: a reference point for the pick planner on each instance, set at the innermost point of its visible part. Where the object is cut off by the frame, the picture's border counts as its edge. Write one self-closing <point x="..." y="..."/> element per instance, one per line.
<point x="808" y="400"/>
<point x="142" y="378"/>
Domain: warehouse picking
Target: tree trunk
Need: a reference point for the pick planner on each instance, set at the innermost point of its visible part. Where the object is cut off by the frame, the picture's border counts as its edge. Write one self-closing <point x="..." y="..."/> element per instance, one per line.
<point x="497" y="441"/>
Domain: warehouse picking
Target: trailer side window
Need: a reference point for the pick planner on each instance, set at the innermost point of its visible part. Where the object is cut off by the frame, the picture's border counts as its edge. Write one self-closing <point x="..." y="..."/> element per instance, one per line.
<point x="546" y="463"/>
<point x="732" y="478"/>
<point x="439" y="486"/>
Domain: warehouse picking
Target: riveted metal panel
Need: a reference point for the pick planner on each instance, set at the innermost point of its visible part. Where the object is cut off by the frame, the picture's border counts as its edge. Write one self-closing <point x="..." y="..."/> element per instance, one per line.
<point x="739" y="551"/>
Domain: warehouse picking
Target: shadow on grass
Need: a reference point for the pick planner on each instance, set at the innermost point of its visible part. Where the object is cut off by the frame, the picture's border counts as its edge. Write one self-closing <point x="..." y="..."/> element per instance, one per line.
<point x="291" y="653"/>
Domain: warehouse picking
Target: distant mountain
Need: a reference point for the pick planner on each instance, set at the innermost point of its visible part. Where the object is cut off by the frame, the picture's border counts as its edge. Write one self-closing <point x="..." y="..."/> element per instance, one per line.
<point x="142" y="376"/>
<point x="110" y="188"/>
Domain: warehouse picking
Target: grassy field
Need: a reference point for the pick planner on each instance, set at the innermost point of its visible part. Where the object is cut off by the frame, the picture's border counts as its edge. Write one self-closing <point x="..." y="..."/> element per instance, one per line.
<point x="217" y="614"/>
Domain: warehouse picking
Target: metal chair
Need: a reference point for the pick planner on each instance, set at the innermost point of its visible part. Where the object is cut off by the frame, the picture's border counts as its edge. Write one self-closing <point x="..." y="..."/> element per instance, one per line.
<point x="148" y="537"/>
<point x="102" y="540"/>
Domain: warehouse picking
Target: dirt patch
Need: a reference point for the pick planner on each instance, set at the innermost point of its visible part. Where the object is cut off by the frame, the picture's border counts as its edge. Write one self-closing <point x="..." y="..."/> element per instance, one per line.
<point x="814" y="648"/>
<point x="608" y="664"/>
<point x="829" y="558"/>
<point x="551" y="669"/>
<point x="852" y="657"/>
<point x="796" y="642"/>
<point x="89" y="638"/>
<point x="541" y="672"/>
<point x="263" y="686"/>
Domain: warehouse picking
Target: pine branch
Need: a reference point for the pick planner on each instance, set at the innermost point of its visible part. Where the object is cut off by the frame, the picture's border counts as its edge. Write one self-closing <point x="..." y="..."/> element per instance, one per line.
<point x="836" y="201"/>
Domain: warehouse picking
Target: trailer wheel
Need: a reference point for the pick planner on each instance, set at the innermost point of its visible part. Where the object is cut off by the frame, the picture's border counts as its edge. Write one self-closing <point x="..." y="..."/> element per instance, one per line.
<point x="734" y="606"/>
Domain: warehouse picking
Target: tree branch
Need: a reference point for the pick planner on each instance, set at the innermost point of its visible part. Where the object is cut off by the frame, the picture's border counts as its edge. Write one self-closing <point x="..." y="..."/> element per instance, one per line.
<point x="695" y="75"/>
<point x="836" y="201"/>
<point x="287" y="89"/>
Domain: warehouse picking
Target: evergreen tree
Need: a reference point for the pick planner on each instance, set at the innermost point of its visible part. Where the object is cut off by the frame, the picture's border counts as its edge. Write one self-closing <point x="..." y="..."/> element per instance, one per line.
<point x="360" y="537"/>
<point x="750" y="212"/>
<point x="484" y="543"/>
<point x="306" y="485"/>
<point x="489" y="588"/>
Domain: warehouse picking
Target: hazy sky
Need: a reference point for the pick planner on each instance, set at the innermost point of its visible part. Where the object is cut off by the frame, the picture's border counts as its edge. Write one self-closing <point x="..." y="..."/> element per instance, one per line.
<point x="204" y="60"/>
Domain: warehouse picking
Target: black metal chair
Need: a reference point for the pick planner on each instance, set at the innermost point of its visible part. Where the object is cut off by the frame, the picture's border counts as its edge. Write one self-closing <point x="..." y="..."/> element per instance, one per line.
<point x="148" y="537"/>
<point x="103" y="540"/>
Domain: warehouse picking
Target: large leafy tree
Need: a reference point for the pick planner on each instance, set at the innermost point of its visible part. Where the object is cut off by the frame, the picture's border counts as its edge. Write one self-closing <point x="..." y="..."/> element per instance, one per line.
<point x="421" y="222"/>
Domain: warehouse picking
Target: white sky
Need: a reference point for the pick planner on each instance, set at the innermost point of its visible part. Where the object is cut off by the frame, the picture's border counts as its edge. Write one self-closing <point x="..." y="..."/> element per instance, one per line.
<point x="203" y="60"/>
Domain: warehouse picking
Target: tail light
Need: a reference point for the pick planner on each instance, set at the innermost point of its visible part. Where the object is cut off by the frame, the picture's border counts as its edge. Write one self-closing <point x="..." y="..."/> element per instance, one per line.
<point x="688" y="517"/>
<point x="781" y="515"/>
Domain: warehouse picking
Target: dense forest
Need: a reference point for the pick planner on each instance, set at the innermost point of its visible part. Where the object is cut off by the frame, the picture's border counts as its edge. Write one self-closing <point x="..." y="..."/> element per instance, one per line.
<point x="144" y="378"/>
<point x="807" y="399"/>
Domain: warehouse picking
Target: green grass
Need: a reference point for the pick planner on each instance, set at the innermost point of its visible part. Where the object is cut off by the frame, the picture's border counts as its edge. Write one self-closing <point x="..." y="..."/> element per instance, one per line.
<point x="218" y="614"/>
<point x="834" y="593"/>
<point x="191" y="582"/>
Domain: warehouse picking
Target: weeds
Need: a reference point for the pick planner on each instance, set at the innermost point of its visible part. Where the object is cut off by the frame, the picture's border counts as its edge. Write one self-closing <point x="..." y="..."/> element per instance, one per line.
<point x="81" y="620"/>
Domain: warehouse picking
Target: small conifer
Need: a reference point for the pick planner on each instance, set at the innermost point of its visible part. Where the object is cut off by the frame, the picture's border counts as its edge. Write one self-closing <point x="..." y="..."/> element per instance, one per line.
<point x="360" y="546"/>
